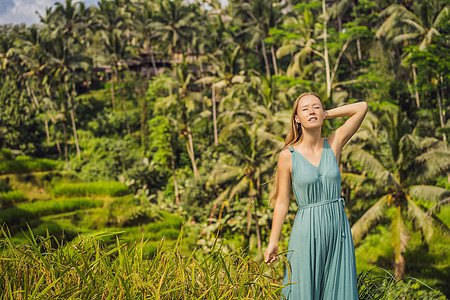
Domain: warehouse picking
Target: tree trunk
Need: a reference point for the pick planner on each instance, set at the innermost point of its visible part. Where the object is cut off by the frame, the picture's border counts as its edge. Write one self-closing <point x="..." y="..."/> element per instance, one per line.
<point x="274" y="60"/>
<point x="327" y="63"/>
<point x="358" y="42"/>
<point x="249" y="217"/>
<point x="124" y="107"/>
<point x="441" y="113"/>
<point x="190" y="148"/>
<point x="258" y="233"/>
<point x="144" y="127"/>
<point x="72" y="118"/>
<point x="266" y="61"/>
<point x="66" y="154"/>
<point x="212" y="213"/>
<point x="155" y="69"/>
<point x="358" y="46"/>
<point x="175" y="183"/>
<point x="112" y="89"/>
<point x="58" y="146"/>
<point x="415" y="86"/>
<point x="216" y="138"/>
<point x="36" y="103"/>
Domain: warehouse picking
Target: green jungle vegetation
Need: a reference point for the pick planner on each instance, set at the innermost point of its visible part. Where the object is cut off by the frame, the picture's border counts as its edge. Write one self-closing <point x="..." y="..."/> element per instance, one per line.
<point x="138" y="139"/>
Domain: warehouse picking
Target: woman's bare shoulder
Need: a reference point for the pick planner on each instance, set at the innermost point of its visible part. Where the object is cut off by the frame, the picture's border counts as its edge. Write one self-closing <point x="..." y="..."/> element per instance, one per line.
<point x="284" y="159"/>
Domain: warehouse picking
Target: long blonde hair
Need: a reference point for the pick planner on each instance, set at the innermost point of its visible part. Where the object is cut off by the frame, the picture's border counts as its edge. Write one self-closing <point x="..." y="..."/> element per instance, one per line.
<point x="294" y="135"/>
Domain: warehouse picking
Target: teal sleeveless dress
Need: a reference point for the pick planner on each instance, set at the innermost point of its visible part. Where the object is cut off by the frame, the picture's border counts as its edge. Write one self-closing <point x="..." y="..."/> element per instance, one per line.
<point x="321" y="254"/>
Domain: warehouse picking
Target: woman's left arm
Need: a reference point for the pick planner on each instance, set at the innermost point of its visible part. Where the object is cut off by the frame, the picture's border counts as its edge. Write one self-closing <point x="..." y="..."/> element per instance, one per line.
<point x="356" y="111"/>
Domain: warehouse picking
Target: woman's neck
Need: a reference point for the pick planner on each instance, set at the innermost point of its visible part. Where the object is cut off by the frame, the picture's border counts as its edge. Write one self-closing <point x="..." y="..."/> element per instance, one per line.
<point x="311" y="138"/>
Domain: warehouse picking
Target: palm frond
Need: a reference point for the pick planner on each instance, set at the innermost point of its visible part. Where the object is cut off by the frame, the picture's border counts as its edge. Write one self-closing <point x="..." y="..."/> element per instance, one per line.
<point x="428" y="192"/>
<point x="372" y="165"/>
<point x="353" y="179"/>
<point x="405" y="37"/>
<point x="435" y="207"/>
<point x="368" y="219"/>
<point x="239" y="188"/>
<point x="421" y="219"/>
<point x="434" y="162"/>
<point x="441" y="16"/>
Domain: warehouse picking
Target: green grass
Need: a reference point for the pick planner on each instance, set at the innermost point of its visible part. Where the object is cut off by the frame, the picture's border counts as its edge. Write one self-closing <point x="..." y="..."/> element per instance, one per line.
<point x="99" y="188"/>
<point x="24" y="164"/>
<point x="10" y="198"/>
<point x="90" y="268"/>
<point x="27" y="211"/>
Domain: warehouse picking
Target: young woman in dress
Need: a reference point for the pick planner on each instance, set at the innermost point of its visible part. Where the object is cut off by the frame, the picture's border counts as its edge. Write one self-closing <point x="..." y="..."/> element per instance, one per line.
<point x="321" y="254"/>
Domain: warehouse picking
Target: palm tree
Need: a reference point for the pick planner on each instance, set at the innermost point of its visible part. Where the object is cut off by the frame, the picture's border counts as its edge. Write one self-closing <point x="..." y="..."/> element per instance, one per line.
<point x="400" y="164"/>
<point x="226" y="65"/>
<point x="403" y="26"/>
<point x="111" y="23"/>
<point x="257" y="17"/>
<point x="67" y="25"/>
<point x="174" y="26"/>
<point x="181" y="105"/>
<point x="247" y="142"/>
<point x="301" y="39"/>
<point x="31" y="51"/>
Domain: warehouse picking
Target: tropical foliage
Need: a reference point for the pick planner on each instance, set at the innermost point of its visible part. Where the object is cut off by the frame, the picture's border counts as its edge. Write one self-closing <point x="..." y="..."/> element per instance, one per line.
<point x="159" y="111"/>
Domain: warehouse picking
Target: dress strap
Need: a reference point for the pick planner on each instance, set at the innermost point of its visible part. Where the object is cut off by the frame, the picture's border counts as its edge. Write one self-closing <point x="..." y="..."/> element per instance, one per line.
<point x="291" y="149"/>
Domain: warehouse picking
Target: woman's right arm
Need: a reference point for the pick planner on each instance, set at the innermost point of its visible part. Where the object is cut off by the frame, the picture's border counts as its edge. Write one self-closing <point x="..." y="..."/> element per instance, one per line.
<point x="281" y="207"/>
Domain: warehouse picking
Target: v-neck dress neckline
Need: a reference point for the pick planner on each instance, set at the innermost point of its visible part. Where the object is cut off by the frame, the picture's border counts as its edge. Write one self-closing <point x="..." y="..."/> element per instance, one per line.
<point x="321" y="155"/>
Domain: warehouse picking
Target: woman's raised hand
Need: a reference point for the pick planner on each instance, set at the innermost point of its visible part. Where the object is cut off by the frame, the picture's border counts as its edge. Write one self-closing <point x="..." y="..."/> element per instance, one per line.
<point x="271" y="253"/>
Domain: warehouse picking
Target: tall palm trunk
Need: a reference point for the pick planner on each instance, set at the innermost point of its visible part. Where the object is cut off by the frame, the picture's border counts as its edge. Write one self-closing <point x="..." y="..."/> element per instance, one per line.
<point x="36" y="103"/>
<point x="400" y="245"/>
<point x="72" y="118"/>
<point x="124" y="107"/>
<point x="190" y="149"/>
<point x="66" y="152"/>
<point x="144" y="127"/>
<point x="266" y="61"/>
<point x="112" y="89"/>
<point x="274" y="60"/>
<point x="175" y="182"/>
<point x="441" y="113"/>
<point x="327" y="63"/>
<point x="415" y="86"/>
<point x="152" y="56"/>
<point x="216" y="138"/>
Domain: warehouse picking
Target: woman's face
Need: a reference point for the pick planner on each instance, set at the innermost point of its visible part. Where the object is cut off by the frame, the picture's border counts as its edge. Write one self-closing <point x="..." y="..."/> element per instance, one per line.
<point x="310" y="112"/>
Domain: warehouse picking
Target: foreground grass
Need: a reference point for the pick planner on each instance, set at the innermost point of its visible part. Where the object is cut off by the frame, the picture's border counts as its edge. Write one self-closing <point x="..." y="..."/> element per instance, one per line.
<point x="89" y="268"/>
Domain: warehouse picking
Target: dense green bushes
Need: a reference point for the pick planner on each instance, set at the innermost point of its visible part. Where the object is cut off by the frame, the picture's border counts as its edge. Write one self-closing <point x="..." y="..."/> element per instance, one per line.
<point x="24" y="164"/>
<point x="100" y="188"/>
<point x="7" y="199"/>
<point x="27" y="211"/>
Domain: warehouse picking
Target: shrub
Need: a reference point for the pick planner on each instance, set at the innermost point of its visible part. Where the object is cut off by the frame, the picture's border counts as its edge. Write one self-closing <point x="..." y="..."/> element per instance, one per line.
<point x="10" y="198"/>
<point x="26" y="211"/>
<point x="4" y="185"/>
<point x="5" y="154"/>
<point x="100" y="188"/>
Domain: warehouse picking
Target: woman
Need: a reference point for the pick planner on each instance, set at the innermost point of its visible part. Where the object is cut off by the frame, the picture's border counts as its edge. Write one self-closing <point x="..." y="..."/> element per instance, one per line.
<point x="321" y="254"/>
